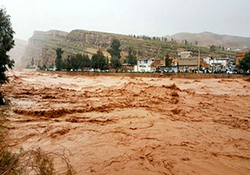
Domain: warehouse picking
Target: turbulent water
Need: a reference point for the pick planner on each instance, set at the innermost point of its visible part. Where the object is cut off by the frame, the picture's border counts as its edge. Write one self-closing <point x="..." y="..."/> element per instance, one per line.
<point x="124" y="125"/>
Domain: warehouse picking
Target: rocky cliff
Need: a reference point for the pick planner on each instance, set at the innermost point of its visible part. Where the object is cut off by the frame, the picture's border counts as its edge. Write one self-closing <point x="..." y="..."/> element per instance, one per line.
<point x="37" y="47"/>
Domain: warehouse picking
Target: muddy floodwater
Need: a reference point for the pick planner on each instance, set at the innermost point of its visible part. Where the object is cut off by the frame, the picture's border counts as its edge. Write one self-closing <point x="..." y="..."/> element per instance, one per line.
<point x="133" y="125"/>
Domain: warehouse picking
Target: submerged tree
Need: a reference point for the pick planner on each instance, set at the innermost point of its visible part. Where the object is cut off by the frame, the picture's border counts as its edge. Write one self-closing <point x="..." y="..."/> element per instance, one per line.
<point x="6" y="43"/>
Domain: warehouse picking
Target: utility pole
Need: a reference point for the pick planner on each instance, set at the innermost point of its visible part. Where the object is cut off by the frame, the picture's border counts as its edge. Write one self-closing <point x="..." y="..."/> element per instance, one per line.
<point x="212" y="65"/>
<point x="199" y="57"/>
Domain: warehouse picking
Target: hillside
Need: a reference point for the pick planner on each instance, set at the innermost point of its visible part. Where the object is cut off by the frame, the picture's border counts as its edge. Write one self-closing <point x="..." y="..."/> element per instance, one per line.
<point x="37" y="45"/>
<point x="208" y="38"/>
<point x="17" y="52"/>
<point x="42" y="46"/>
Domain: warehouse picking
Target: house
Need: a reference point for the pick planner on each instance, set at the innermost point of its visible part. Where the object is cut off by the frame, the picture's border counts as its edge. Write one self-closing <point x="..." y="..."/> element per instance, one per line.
<point x="219" y="63"/>
<point x="187" y="62"/>
<point x="187" y="54"/>
<point x="144" y="65"/>
<point x="173" y="67"/>
<point x="157" y="65"/>
<point x="127" y="67"/>
<point x="160" y="65"/>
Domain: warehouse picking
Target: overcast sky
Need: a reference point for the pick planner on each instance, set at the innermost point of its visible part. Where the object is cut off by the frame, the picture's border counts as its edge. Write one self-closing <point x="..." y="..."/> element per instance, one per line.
<point x="140" y="17"/>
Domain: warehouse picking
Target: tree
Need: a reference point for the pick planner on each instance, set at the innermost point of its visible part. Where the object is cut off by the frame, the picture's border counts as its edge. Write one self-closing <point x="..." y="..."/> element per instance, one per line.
<point x="78" y="61"/>
<point x="98" y="60"/>
<point x="32" y="62"/>
<point x="115" y="63"/>
<point x="58" y="60"/>
<point x="168" y="61"/>
<point x="6" y="43"/>
<point x="114" y="49"/>
<point x="75" y="61"/>
<point x="85" y="62"/>
<point x="186" y="42"/>
<point x="213" y="48"/>
<point x="131" y="58"/>
<point x="245" y="63"/>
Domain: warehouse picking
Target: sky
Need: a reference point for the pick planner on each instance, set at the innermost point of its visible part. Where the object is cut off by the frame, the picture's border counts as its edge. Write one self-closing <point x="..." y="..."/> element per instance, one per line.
<point x="139" y="17"/>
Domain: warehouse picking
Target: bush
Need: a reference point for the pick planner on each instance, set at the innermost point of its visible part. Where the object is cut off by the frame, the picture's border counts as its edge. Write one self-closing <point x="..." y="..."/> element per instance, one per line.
<point x="35" y="161"/>
<point x="9" y="162"/>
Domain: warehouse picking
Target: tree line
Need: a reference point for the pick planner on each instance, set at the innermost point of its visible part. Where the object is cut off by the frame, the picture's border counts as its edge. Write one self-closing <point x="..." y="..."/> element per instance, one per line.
<point x="97" y="61"/>
<point x="80" y="61"/>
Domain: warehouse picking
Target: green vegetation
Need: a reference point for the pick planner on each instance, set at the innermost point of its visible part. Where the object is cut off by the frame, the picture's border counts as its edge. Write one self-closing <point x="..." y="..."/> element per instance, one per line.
<point x="114" y="49"/>
<point x="115" y="63"/>
<point x="58" y="60"/>
<point x="99" y="61"/>
<point x="79" y="61"/>
<point x="34" y="161"/>
<point x="115" y="52"/>
<point x="82" y="61"/>
<point x="6" y="43"/>
<point x="168" y="61"/>
<point x="131" y="58"/>
<point x="245" y="63"/>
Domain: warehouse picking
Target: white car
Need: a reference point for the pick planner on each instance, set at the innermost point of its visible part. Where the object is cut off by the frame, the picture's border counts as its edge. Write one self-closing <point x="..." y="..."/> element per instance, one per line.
<point x="229" y="72"/>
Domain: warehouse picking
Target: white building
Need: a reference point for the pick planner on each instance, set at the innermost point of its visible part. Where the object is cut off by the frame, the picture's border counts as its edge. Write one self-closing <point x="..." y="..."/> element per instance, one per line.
<point x="187" y="54"/>
<point x="144" y="65"/>
<point x="217" y="63"/>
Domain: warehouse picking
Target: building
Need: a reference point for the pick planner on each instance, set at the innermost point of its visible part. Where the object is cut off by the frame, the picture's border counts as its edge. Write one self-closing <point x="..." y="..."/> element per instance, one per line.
<point x="187" y="62"/>
<point x="160" y="65"/>
<point x="144" y="65"/>
<point x="187" y="54"/>
<point x="219" y="63"/>
<point x="157" y="65"/>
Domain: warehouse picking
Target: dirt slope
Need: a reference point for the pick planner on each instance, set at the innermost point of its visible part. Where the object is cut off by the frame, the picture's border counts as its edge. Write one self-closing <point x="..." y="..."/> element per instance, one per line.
<point x="123" y="125"/>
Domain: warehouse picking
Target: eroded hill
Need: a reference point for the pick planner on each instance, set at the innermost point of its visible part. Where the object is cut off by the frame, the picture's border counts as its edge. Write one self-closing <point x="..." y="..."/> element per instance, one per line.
<point x="42" y="46"/>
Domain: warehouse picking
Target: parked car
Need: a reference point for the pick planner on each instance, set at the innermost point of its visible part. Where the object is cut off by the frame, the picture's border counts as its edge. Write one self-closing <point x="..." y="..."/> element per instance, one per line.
<point x="105" y="70"/>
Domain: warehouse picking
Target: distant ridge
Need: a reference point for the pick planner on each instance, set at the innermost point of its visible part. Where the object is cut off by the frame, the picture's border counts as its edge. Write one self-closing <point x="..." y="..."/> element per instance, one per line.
<point x="208" y="38"/>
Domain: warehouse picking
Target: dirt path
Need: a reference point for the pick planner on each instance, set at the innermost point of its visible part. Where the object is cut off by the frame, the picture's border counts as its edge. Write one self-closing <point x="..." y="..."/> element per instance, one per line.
<point x="123" y="125"/>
